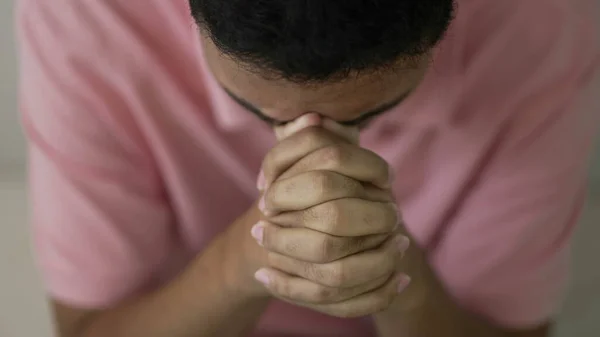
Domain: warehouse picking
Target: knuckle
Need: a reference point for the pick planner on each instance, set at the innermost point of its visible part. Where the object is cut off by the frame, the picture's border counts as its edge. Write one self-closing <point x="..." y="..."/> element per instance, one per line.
<point x="270" y="162"/>
<point x="281" y="188"/>
<point x="313" y="135"/>
<point x="311" y="215"/>
<point x="336" y="275"/>
<point x="359" y="243"/>
<point x="333" y="216"/>
<point x="351" y="187"/>
<point x="291" y="247"/>
<point x="381" y="217"/>
<point x="314" y="272"/>
<point x="322" y="181"/>
<point x="323" y="295"/>
<point x="347" y="245"/>
<point x="375" y="240"/>
<point x="334" y="155"/>
<point x="371" y="218"/>
<point x="270" y="194"/>
<point x="281" y="287"/>
<point x="351" y="245"/>
<point x="326" y="250"/>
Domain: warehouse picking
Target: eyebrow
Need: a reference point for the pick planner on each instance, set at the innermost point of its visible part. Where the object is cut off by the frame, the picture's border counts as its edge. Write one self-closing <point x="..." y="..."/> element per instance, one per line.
<point x="354" y="122"/>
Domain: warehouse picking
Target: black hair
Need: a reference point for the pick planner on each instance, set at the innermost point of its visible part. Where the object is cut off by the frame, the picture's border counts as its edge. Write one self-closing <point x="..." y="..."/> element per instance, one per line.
<point x="322" y="40"/>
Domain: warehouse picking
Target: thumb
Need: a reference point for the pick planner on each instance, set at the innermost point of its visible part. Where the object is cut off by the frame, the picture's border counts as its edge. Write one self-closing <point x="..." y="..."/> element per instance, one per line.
<point x="349" y="133"/>
<point x="302" y="122"/>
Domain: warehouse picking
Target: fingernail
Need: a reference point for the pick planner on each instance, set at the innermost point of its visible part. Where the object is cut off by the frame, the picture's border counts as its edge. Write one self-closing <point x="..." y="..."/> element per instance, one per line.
<point x="262" y="276"/>
<point x="261" y="204"/>
<point x="300" y="123"/>
<point x="260" y="184"/>
<point x="309" y="119"/>
<point x="397" y="226"/>
<point x="403" y="282"/>
<point x="258" y="232"/>
<point x="398" y="217"/>
<point x="402" y="243"/>
<point x="263" y="207"/>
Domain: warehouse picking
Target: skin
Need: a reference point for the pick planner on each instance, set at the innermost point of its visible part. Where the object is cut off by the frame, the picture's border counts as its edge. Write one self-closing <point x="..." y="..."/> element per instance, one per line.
<point x="349" y="101"/>
<point x="324" y="235"/>
<point x="368" y="248"/>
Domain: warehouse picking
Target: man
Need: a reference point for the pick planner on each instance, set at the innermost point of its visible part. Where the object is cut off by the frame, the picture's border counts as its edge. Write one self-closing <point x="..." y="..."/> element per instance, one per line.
<point x="451" y="215"/>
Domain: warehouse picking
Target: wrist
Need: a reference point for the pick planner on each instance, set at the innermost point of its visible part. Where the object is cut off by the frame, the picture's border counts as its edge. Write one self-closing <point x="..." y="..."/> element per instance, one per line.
<point x="242" y="257"/>
<point x="428" y="309"/>
<point x="424" y="288"/>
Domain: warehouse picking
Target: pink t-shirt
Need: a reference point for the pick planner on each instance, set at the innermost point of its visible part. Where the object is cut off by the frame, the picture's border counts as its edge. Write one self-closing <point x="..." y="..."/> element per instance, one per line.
<point x="138" y="159"/>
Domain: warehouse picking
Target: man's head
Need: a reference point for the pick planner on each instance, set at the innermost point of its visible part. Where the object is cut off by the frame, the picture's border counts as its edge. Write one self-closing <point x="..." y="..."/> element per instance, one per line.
<point x="344" y="59"/>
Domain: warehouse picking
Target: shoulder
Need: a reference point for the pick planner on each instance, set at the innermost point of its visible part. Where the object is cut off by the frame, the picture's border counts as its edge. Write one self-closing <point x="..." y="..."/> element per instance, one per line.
<point x="119" y="32"/>
<point x="512" y="56"/>
<point x="81" y="62"/>
<point x="517" y="41"/>
<point x="86" y="65"/>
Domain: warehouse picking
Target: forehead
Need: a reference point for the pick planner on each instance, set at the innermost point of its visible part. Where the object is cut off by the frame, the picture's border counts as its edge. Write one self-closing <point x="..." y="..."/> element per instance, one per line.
<point x="340" y="100"/>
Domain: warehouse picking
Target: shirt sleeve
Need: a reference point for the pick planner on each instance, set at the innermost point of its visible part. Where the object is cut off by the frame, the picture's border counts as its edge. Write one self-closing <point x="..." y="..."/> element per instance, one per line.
<point x="505" y="252"/>
<point x="100" y="222"/>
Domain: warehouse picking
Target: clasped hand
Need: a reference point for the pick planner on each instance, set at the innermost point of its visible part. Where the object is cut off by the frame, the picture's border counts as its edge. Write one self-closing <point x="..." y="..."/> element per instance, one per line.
<point x="331" y="226"/>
